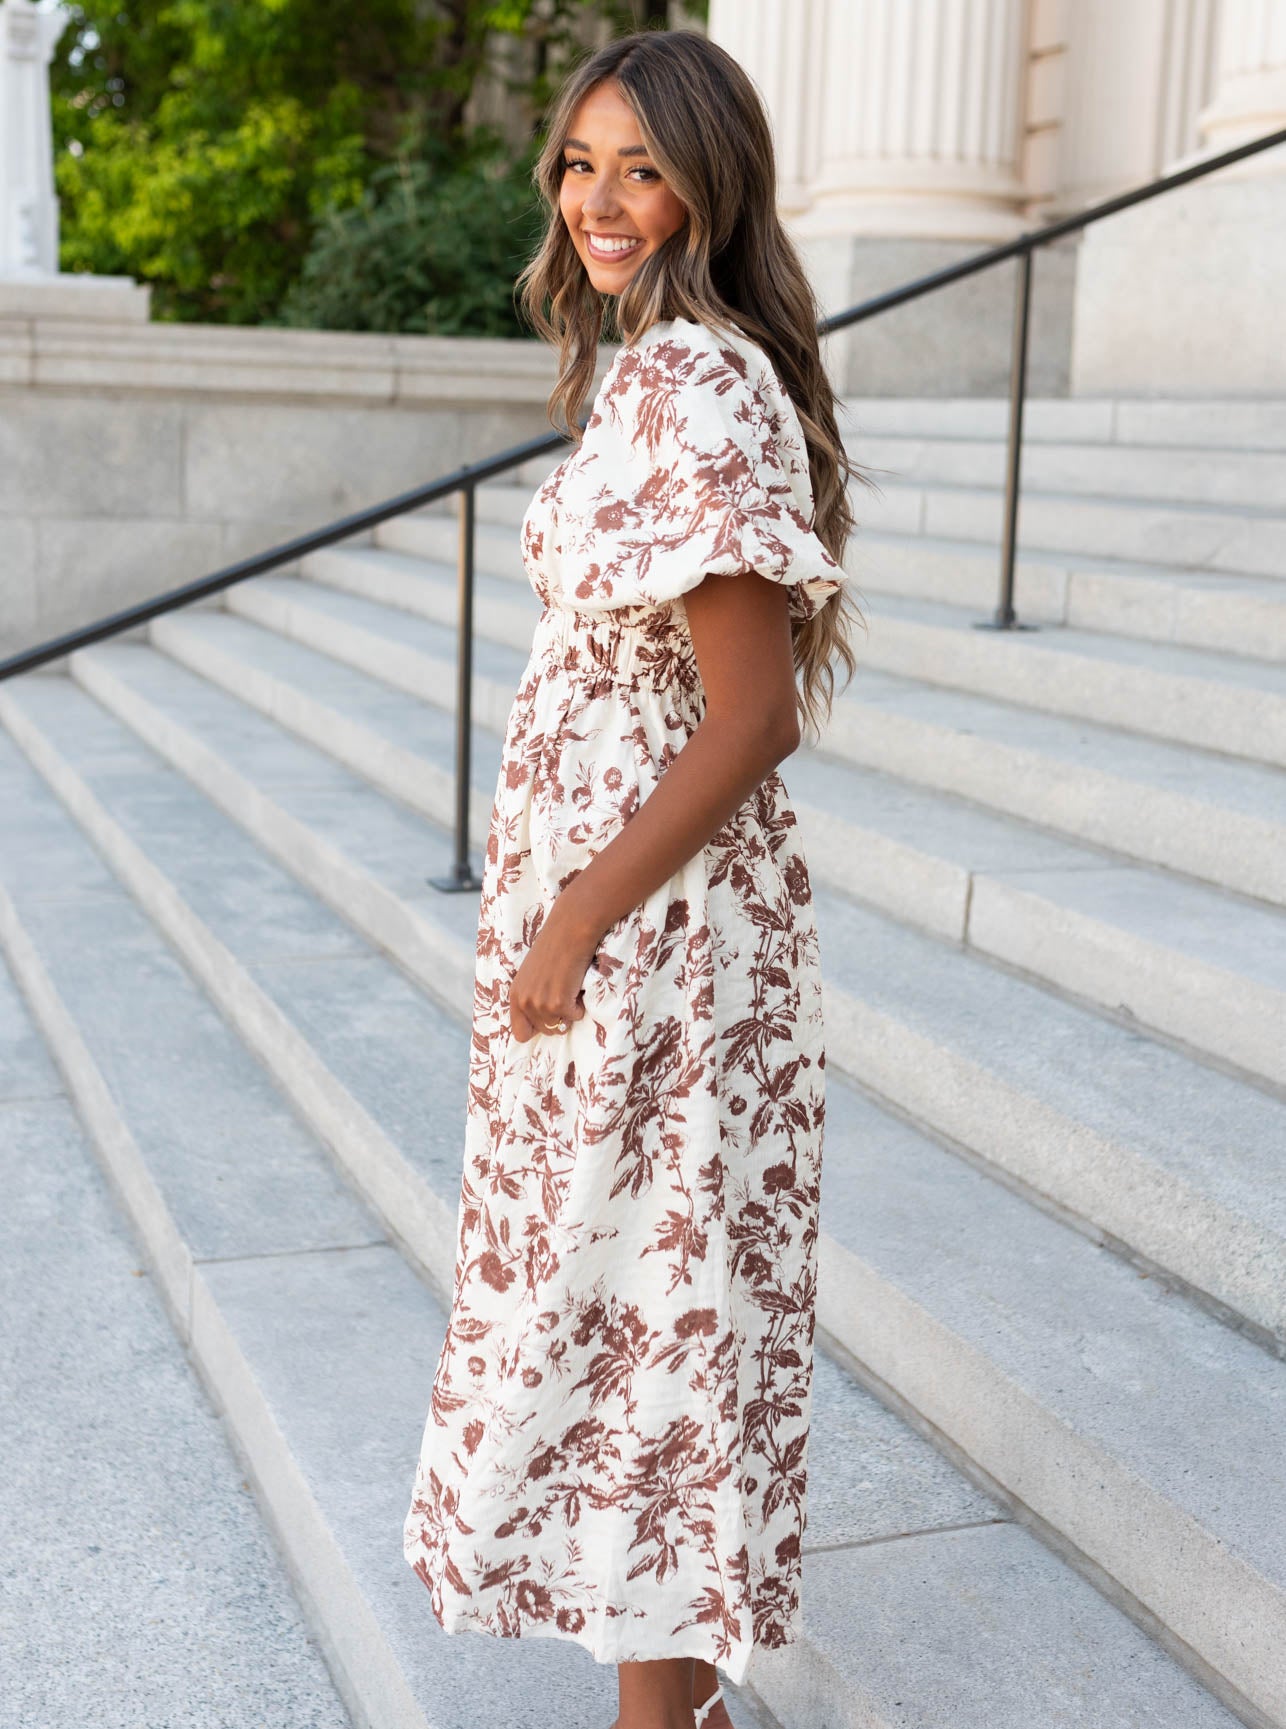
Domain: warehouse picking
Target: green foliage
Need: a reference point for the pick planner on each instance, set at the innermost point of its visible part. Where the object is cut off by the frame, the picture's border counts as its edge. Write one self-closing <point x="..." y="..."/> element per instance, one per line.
<point x="198" y="142"/>
<point x="218" y="223"/>
<point x="433" y="247"/>
<point x="304" y="160"/>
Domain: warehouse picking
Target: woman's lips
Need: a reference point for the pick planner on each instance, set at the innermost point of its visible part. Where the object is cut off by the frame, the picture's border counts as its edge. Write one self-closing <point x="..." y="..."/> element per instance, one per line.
<point x="609" y="255"/>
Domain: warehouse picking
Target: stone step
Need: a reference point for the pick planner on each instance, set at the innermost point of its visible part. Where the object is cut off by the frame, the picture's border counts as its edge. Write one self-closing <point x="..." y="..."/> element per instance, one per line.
<point x="1253" y="479"/>
<point x="1225" y="614"/>
<point x="1207" y="816"/>
<point x="1204" y="432"/>
<point x="125" y="1512"/>
<point x="1184" y="695"/>
<point x="1183" y="959"/>
<point x="1183" y="532"/>
<point x="1067" y="1430"/>
<point x="370" y="720"/>
<point x="420" y="544"/>
<point x="1069" y="1131"/>
<point x="427" y="533"/>
<point x="304" y="1320"/>
<point x="1221" y="702"/>
<point x="315" y="1339"/>
<point x="1206" y="539"/>
<point x="1237" y="424"/>
<point x="1202" y="538"/>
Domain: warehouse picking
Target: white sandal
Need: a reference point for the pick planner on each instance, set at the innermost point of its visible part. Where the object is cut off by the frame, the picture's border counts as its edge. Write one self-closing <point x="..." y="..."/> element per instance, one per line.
<point x="701" y="1712"/>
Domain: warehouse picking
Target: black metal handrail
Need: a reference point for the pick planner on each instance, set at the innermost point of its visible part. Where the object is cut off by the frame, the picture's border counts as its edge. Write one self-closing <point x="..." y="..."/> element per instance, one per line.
<point x="465" y="480"/>
<point x="1022" y="247"/>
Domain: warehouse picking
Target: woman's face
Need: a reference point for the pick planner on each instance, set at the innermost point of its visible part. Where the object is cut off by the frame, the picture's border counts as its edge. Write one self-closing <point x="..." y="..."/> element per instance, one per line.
<point x="616" y="206"/>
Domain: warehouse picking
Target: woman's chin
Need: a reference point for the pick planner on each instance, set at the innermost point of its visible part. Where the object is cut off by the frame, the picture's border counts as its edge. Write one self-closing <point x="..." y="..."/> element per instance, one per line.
<point x="611" y="278"/>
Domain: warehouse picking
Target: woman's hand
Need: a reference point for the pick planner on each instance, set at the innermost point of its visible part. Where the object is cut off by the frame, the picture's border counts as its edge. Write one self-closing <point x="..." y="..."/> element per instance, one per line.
<point x="547" y="988"/>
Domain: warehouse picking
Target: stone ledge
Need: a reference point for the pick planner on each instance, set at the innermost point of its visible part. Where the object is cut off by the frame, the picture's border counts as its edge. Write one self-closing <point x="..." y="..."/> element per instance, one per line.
<point x="222" y="360"/>
<point x="75" y="294"/>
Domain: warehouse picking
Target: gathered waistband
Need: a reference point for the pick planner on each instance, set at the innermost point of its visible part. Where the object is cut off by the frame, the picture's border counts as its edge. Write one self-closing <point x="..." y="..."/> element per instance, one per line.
<point x="630" y="641"/>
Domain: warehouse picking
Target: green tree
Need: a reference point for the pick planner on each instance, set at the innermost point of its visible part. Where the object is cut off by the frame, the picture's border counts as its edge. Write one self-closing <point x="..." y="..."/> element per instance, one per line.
<point x="433" y="246"/>
<point x="199" y="141"/>
<point x="233" y="153"/>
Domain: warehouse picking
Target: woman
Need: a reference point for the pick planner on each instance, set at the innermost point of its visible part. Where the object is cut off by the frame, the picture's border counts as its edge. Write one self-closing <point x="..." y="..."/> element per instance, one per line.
<point x="615" y="1451"/>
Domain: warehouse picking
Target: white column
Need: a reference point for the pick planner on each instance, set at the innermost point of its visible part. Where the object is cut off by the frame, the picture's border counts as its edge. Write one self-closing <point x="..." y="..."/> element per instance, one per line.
<point x="30" y="283"/>
<point x="1189" y="70"/>
<point x="1250" y="98"/>
<point x="922" y="122"/>
<point x="1134" y="78"/>
<point x="779" y="43"/>
<point x="28" y="207"/>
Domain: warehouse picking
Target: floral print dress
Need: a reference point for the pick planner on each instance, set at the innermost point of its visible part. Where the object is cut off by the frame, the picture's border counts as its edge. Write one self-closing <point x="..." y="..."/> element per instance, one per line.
<point x="615" y="1451"/>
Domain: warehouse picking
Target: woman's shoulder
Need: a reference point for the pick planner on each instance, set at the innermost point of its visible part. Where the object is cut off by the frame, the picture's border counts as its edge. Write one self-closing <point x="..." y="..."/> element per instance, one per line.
<point x="695" y="349"/>
<point x="683" y="389"/>
<point x="727" y="385"/>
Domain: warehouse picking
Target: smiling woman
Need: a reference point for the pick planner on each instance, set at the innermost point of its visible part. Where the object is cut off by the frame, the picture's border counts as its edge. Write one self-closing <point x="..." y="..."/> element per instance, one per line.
<point x="615" y="1451"/>
<point x="615" y="202"/>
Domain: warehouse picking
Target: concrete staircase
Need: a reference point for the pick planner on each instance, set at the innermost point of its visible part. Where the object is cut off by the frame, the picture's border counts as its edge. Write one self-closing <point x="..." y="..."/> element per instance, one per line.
<point x="1048" y="1458"/>
<point x="140" y="1585"/>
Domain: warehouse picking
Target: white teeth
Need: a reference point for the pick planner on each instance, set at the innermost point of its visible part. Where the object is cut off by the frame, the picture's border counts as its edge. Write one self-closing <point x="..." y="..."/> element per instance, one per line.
<point x="599" y="243"/>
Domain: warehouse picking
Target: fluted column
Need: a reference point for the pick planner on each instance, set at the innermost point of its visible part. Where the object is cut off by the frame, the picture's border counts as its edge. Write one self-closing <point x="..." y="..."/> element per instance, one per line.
<point x="779" y="43"/>
<point x="1250" y="98"/>
<point x="1189" y="68"/>
<point x="900" y="131"/>
<point x="922" y="119"/>
<point x="28" y="207"/>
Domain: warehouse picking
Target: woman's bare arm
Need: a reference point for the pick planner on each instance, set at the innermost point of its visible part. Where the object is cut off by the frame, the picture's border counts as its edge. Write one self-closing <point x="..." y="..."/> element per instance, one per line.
<point x="740" y="629"/>
<point x="741" y="637"/>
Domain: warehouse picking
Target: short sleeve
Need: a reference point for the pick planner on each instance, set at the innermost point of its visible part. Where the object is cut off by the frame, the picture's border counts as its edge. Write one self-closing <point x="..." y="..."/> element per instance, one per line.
<point x="717" y="469"/>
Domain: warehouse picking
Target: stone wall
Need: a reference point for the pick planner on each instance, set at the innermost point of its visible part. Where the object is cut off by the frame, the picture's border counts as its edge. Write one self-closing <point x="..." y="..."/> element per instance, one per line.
<point x="135" y="456"/>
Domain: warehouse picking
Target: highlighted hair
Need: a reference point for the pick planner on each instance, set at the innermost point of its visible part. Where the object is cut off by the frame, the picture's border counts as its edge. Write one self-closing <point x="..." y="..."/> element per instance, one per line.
<point x="730" y="266"/>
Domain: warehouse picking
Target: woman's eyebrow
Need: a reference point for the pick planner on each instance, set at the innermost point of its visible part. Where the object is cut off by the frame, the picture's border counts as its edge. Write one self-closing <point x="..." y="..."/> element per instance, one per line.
<point x="625" y="150"/>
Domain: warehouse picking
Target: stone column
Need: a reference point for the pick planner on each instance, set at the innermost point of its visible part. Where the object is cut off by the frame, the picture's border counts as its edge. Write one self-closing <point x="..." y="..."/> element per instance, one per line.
<point x="1182" y="296"/>
<point x="1133" y="80"/>
<point x="1251" y="95"/>
<point x="900" y="139"/>
<point x="30" y="284"/>
<point x="28" y="207"/>
<point x="779" y="43"/>
<point x="922" y="119"/>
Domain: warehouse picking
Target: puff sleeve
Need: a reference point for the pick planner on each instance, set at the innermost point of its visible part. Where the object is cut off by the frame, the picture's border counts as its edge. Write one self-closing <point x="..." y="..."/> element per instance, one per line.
<point x="715" y="474"/>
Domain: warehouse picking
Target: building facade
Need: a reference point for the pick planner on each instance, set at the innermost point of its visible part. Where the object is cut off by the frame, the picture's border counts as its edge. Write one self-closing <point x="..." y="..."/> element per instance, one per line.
<point x="912" y="132"/>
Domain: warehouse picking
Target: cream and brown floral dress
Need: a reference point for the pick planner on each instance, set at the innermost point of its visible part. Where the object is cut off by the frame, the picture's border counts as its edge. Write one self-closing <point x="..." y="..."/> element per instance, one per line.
<point x="616" y="1447"/>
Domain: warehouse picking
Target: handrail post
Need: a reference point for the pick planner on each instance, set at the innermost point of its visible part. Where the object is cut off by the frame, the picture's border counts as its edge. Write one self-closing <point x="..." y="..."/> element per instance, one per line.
<point x="1005" y="618"/>
<point x="462" y="876"/>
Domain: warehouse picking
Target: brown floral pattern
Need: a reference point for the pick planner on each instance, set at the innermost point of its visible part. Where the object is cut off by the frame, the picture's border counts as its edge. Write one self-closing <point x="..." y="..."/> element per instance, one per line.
<point x="615" y="1450"/>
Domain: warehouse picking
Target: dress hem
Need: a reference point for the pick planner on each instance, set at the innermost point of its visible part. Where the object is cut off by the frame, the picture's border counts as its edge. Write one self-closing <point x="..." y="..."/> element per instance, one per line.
<point x="732" y="1669"/>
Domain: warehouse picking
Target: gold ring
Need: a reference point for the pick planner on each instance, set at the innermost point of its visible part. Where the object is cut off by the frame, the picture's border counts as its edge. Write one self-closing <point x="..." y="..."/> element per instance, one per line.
<point x="558" y="1027"/>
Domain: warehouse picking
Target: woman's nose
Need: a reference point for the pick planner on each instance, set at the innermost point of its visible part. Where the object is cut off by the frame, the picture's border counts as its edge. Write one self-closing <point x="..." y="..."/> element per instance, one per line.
<point x="599" y="200"/>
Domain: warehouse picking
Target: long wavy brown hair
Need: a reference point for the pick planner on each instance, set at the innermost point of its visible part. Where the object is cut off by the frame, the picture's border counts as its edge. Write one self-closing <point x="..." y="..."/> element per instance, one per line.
<point x="730" y="265"/>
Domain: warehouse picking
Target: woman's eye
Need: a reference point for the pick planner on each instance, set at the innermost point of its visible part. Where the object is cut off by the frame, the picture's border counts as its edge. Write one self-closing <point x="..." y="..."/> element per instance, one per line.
<point x="570" y="162"/>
